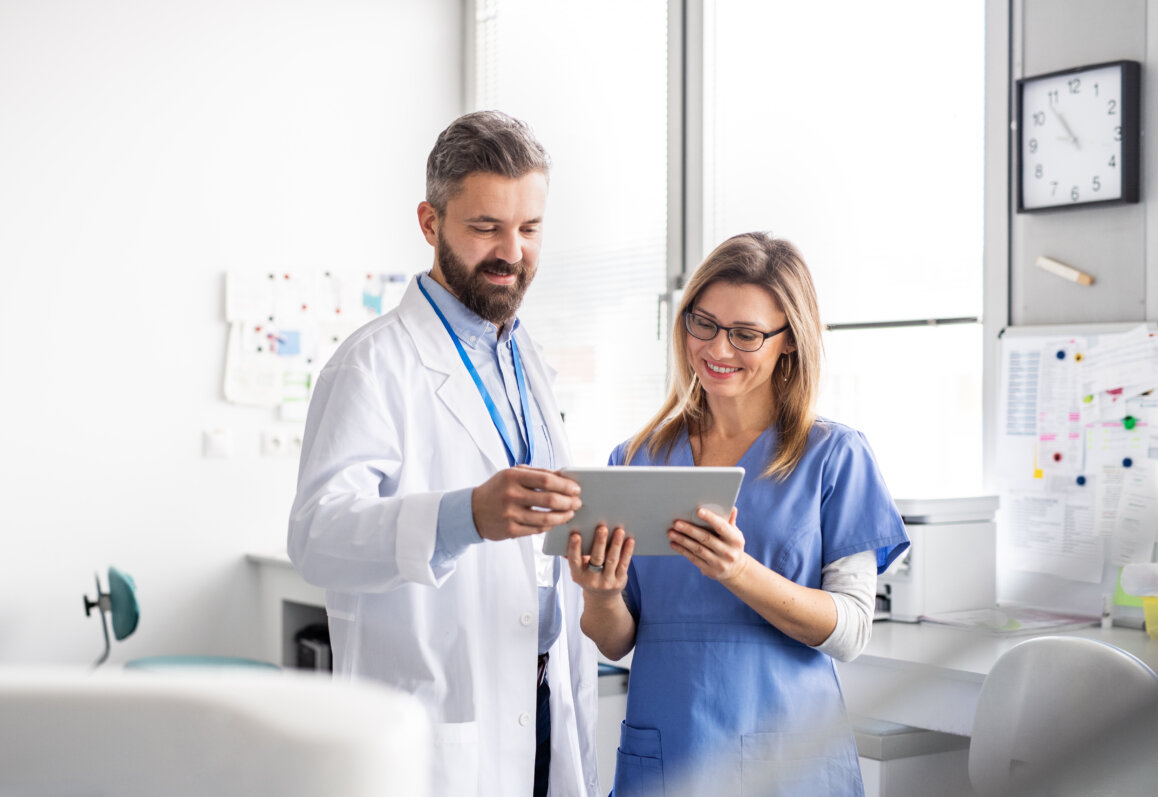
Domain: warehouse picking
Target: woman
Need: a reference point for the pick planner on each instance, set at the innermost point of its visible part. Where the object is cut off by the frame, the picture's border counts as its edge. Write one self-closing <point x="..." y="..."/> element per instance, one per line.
<point x="733" y="689"/>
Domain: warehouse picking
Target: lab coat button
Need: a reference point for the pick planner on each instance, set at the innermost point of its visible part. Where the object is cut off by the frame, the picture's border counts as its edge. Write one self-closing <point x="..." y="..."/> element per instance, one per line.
<point x="525" y="618"/>
<point x="524" y="719"/>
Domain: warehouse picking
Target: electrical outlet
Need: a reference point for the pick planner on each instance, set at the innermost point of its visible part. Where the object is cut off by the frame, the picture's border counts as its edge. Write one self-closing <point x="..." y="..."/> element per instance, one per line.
<point x="272" y="443"/>
<point x="281" y="443"/>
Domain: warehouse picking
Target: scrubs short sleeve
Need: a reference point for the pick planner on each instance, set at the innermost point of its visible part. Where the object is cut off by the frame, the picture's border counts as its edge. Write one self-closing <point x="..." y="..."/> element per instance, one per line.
<point x="854" y="499"/>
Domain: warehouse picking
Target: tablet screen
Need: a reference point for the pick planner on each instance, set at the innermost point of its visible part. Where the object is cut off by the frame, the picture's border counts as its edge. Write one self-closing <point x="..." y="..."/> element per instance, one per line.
<point x="645" y="501"/>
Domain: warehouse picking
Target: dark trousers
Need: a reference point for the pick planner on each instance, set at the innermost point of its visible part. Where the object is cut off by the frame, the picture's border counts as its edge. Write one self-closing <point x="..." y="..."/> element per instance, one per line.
<point x="543" y="748"/>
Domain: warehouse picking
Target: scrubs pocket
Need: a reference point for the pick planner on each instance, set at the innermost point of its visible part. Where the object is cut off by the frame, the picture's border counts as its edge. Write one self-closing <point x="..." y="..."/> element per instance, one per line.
<point x="455" y="758"/>
<point x="785" y="765"/>
<point x="638" y="763"/>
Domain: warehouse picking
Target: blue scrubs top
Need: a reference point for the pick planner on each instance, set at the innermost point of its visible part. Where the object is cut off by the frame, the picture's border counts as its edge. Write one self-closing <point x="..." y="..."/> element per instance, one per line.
<point x="719" y="701"/>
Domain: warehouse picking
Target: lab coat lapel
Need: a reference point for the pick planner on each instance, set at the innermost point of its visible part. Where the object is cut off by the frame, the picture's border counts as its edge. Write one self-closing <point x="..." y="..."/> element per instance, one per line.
<point x="542" y="379"/>
<point x="458" y="393"/>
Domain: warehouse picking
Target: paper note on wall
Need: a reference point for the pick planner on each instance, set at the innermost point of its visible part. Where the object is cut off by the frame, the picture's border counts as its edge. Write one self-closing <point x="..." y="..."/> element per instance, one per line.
<point x="1059" y="428"/>
<point x="1054" y="533"/>
<point x="1085" y="494"/>
<point x="286" y="324"/>
<point x="251" y="378"/>
<point x="1121" y="366"/>
<point x="1137" y="522"/>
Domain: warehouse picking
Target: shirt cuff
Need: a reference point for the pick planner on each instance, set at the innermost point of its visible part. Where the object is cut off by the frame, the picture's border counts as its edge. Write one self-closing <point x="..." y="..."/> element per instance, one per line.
<point x="851" y="582"/>
<point x="455" y="531"/>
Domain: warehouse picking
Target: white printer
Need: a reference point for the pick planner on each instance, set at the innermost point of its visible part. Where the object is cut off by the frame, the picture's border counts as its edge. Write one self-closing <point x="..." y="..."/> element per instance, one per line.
<point x="951" y="565"/>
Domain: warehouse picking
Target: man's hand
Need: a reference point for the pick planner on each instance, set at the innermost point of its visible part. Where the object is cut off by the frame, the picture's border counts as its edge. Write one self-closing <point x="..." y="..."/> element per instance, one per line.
<point x="520" y="501"/>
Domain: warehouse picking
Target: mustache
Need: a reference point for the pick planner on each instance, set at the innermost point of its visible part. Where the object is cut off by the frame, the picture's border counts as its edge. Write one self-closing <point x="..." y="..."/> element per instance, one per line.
<point x="502" y="267"/>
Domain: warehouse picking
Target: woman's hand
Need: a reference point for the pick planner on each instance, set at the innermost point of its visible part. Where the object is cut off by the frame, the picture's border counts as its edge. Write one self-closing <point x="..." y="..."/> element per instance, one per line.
<point x="603" y="575"/>
<point x="718" y="550"/>
<point x="604" y="572"/>
<point x="805" y="614"/>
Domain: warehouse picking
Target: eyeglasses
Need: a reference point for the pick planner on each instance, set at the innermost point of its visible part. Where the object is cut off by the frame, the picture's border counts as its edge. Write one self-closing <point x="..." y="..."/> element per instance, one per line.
<point x="742" y="338"/>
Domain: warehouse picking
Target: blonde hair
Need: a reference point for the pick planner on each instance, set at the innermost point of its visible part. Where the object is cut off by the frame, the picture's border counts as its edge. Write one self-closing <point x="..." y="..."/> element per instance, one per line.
<point x="775" y="265"/>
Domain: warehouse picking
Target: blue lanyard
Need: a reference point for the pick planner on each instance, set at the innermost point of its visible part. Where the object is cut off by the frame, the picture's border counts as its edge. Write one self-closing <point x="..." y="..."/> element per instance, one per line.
<point x="520" y="380"/>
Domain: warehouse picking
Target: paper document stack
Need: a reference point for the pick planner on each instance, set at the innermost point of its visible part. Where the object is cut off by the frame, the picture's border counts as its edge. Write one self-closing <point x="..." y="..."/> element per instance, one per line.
<point x="1011" y="621"/>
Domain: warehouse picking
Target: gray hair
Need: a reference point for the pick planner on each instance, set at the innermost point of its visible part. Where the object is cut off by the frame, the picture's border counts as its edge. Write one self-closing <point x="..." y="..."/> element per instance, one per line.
<point x="484" y="141"/>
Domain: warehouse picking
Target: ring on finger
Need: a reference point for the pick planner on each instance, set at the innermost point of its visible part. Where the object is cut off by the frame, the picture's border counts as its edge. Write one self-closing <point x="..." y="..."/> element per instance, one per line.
<point x="595" y="567"/>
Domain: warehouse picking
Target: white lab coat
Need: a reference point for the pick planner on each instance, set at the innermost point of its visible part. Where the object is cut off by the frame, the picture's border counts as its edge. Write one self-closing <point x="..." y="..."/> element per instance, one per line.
<point x="396" y="421"/>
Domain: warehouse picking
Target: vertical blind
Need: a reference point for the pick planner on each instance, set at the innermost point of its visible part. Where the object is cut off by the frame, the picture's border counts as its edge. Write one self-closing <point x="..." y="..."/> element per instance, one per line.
<point x="591" y="79"/>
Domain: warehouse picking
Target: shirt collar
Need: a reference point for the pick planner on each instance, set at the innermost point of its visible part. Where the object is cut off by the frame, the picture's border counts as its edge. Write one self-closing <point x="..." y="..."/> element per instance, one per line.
<point x="472" y="329"/>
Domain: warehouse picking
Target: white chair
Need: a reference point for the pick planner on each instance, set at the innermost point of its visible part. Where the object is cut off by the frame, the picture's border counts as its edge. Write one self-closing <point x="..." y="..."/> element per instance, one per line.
<point x="1063" y="715"/>
<point x="227" y="733"/>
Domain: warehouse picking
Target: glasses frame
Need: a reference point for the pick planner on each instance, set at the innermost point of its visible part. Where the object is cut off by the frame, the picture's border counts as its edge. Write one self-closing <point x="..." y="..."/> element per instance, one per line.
<point x="689" y="314"/>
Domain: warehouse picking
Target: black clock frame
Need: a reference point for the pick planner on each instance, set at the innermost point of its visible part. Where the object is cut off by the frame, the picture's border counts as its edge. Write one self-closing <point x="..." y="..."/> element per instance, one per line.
<point x="1131" y="135"/>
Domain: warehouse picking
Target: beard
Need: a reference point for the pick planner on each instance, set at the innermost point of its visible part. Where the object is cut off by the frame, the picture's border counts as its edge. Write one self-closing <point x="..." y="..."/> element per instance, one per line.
<point x="496" y="303"/>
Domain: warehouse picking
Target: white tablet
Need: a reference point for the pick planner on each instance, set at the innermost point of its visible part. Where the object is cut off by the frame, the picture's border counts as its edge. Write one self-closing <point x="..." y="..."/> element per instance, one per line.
<point x="645" y="501"/>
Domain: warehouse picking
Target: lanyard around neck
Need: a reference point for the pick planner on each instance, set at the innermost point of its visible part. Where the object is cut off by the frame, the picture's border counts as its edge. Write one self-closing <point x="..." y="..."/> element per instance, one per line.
<point x="520" y="380"/>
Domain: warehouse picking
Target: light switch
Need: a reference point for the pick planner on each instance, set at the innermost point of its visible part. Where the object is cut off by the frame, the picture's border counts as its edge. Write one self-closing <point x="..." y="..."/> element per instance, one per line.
<point x="217" y="443"/>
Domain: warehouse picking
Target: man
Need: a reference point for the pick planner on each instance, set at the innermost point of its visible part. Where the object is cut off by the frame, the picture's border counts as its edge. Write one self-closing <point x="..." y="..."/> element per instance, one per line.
<point x="426" y="472"/>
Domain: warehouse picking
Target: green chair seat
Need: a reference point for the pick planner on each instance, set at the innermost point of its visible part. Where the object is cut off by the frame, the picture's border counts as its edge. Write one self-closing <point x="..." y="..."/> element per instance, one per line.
<point x="121" y="602"/>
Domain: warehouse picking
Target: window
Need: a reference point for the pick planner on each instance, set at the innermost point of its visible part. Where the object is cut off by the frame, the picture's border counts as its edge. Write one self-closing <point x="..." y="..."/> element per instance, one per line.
<point x="832" y="125"/>
<point x="591" y="79"/>
<point x="856" y="131"/>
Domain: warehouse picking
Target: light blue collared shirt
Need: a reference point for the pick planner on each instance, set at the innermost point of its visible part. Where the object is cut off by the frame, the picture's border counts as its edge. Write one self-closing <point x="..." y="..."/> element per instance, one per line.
<point x="492" y="358"/>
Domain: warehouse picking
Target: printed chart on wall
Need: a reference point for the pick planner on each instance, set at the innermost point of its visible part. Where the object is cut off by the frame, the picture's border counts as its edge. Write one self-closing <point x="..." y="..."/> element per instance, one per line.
<point x="1077" y="462"/>
<point x="285" y="325"/>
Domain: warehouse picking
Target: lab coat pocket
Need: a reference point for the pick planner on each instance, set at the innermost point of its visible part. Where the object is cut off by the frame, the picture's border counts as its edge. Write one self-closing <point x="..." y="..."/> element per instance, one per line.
<point x="455" y="758"/>
<point x="784" y="765"/>
<point x="638" y="763"/>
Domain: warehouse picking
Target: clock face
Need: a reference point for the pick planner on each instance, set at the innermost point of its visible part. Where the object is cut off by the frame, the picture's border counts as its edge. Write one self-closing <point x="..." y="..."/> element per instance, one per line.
<point x="1078" y="137"/>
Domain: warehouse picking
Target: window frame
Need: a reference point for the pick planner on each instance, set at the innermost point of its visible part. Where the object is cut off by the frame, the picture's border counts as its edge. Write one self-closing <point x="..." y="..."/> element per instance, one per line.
<point x="689" y="164"/>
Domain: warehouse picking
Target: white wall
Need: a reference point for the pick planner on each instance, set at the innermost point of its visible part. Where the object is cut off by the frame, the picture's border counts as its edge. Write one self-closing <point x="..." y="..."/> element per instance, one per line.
<point x="145" y="149"/>
<point x="1112" y="242"/>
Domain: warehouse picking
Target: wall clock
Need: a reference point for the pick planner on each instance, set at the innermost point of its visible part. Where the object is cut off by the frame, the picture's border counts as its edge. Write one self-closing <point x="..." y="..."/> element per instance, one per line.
<point x="1078" y="137"/>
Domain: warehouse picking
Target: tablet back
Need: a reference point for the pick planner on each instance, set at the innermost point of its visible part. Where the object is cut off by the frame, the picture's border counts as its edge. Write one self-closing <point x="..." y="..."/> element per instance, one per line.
<point x="645" y="501"/>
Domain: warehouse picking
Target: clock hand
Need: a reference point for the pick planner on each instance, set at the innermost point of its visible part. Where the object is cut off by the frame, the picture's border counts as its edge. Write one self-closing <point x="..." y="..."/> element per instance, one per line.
<point x="1065" y="124"/>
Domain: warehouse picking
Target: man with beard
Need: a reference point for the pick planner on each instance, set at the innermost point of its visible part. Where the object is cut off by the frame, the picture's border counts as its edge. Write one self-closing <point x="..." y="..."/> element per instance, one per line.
<point x="427" y="476"/>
